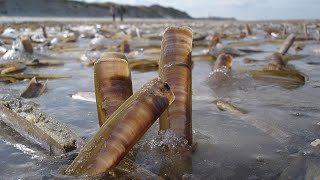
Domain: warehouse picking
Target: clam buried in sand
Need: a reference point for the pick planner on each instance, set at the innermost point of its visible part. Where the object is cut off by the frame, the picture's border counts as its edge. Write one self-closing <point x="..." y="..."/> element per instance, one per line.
<point x="221" y="71"/>
<point x="125" y="46"/>
<point x="276" y="62"/>
<point x="26" y="42"/>
<point x="38" y="127"/>
<point x="34" y="89"/>
<point x="285" y="78"/>
<point x="123" y="129"/>
<point x="278" y="72"/>
<point x="287" y="44"/>
<point x="175" y="69"/>
<point x="112" y="81"/>
<point x="226" y="106"/>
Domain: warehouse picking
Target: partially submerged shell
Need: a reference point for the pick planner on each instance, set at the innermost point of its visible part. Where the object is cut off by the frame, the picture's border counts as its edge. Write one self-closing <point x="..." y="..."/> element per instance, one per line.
<point x="175" y="69"/>
<point x="65" y="48"/>
<point x="44" y="62"/>
<point x="125" y="46"/>
<point x="203" y="57"/>
<point x="227" y="106"/>
<point x="38" y="127"/>
<point x="34" y="89"/>
<point x="223" y="60"/>
<point x="287" y="44"/>
<point x="144" y="65"/>
<point x="11" y="68"/>
<point x="215" y="40"/>
<point x="286" y="78"/>
<point x="221" y="71"/>
<point x="289" y="57"/>
<point x="156" y="50"/>
<point x="113" y="86"/>
<point x="26" y="42"/>
<point x="122" y="130"/>
<point x="18" y="77"/>
<point x="277" y="58"/>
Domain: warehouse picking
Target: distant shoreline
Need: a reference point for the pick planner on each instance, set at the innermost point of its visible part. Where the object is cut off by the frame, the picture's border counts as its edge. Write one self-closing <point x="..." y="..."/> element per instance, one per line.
<point x="20" y="19"/>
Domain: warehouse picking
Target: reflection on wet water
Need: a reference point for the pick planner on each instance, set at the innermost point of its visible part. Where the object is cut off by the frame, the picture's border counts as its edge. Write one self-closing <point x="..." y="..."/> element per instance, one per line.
<point x="271" y="141"/>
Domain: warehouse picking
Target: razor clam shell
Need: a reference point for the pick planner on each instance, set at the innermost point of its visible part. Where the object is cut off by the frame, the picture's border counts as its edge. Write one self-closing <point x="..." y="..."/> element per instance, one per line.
<point x="175" y="69"/>
<point x="34" y="89"/>
<point x="113" y="85"/>
<point x="123" y="129"/>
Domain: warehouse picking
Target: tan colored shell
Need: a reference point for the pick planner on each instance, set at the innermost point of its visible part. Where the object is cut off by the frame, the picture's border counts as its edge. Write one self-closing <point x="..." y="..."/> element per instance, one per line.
<point x="124" y="46"/>
<point x="215" y="40"/>
<point x="277" y="58"/>
<point x="227" y="106"/>
<point x="26" y="42"/>
<point x="277" y="63"/>
<point x="113" y="86"/>
<point x="175" y="69"/>
<point x="34" y="89"/>
<point x="287" y="44"/>
<point x="223" y="60"/>
<point x="9" y="68"/>
<point x="122" y="130"/>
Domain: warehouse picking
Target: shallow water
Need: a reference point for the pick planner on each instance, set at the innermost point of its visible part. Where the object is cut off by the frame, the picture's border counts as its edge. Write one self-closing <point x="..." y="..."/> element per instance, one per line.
<point x="262" y="144"/>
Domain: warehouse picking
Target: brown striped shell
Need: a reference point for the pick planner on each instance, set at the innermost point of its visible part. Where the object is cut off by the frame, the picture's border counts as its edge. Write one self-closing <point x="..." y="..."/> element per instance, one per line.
<point x="113" y="84"/>
<point x="175" y="69"/>
<point x="123" y="129"/>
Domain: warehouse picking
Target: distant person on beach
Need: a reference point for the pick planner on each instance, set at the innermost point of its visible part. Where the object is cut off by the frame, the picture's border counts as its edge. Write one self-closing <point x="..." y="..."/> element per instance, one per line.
<point x="113" y="12"/>
<point x="122" y="10"/>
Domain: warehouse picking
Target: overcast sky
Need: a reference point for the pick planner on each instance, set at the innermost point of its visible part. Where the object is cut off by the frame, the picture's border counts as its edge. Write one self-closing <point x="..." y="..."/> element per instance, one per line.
<point x="241" y="9"/>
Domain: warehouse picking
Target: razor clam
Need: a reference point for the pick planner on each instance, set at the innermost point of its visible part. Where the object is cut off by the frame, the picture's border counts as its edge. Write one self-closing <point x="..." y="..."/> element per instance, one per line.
<point x="226" y="106"/>
<point x="248" y="30"/>
<point x="291" y="78"/>
<point x="287" y="44"/>
<point x="65" y="48"/>
<point x="290" y="57"/>
<point x="152" y="51"/>
<point x="113" y="86"/>
<point x="124" y="46"/>
<point x="123" y="129"/>
<point x="11" y="68"/>
<point x="221" y="71"/>
<point x="44" y="32"/>
<point x="203" y="57"/>
<point x="26" y="42"/>
<point x="34" y="89"/>
<point x="144" y="65"/>
<point x="175" y="69"/>
<point x="16" y="77"/>
<point x="38" y="127"/>
<point x="44" y="62"/>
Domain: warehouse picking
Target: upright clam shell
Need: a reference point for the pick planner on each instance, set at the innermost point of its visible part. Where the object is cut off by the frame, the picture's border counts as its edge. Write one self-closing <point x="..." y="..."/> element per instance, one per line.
<point x="277" y="58"/>
<point x="122" y="130"/>
<point x="113" y="86"/>
<point x="175" y="69"/>
<point x="34" y="89"/>
<point x="248" y="29"/>
<point x="287" y="44"/>
<point x="26" y="42"/>
<point x="223" y="60"/>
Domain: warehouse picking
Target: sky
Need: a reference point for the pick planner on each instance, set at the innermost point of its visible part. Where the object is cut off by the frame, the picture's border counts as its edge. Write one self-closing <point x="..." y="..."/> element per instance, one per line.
<point x="240" y="9"/>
